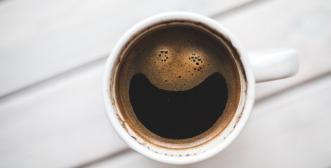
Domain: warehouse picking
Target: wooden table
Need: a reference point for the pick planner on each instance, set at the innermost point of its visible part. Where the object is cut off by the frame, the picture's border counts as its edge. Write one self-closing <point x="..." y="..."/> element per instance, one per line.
<point x="52" y="55"/>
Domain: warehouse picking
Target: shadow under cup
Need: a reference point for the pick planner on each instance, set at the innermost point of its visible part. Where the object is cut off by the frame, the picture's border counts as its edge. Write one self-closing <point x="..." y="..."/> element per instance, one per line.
<point x="178" y="85"/>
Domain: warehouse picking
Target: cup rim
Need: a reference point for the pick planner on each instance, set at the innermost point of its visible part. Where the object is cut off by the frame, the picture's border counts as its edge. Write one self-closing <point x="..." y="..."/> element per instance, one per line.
<point x="113" y="60"/>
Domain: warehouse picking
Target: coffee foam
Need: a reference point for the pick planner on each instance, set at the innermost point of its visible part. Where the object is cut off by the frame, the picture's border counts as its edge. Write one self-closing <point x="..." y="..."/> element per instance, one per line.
<point x="177" y="59"/>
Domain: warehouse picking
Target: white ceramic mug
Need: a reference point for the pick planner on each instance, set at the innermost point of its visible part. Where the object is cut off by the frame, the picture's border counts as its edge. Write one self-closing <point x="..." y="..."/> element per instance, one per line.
<point x="257" y="67"/>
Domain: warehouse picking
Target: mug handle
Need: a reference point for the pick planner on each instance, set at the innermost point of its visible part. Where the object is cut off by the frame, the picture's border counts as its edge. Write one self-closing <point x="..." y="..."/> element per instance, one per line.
<point x="273" y="64"/>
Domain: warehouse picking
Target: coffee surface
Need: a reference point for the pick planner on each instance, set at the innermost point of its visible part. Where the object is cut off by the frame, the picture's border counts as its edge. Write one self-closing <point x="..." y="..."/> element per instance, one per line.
<point x="178" y="114"/>
<point x="177" y="82"/>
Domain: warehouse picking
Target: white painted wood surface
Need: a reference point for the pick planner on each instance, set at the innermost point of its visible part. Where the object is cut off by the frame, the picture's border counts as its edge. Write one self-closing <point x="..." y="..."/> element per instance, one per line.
<point x="62" y="122"/>
<point x="58" y="126"/>
<point x="39" y="39"/>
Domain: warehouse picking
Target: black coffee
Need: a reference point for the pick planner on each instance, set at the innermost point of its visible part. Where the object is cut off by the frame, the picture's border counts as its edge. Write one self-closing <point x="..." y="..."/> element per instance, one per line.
<point x="177" y="83"/>
<point x="178" y="114"/>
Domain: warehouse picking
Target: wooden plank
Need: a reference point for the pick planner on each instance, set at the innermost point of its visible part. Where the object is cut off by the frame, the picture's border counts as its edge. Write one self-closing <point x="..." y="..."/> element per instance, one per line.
<point x="58" y="126"/>
<point x="132" y="159"/>
<point x="39" y="39"/>
<point x="289" y="130"/>
<point x="303" y="25"/>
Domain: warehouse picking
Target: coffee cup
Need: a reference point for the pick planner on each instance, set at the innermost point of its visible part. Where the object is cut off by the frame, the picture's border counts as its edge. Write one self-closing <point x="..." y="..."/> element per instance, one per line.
<point x="179" y="87"/>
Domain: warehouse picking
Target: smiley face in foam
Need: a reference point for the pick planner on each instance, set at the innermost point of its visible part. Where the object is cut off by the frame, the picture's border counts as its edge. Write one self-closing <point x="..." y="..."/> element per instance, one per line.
<point x="177" y="66"/>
